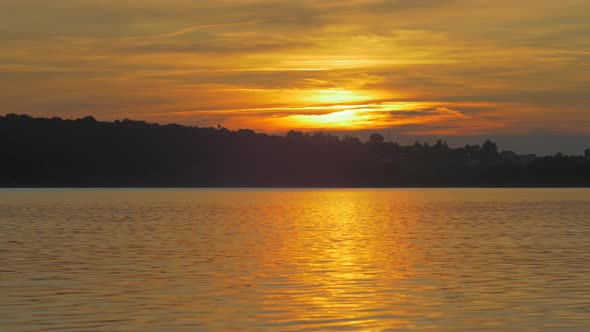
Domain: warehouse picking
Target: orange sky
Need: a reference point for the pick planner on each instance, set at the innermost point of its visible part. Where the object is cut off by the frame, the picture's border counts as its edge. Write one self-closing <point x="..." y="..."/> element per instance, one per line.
<point x="422" y="67"/>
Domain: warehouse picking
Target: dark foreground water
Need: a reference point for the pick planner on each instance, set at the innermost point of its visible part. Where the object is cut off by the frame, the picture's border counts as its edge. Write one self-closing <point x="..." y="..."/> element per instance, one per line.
<point x="206" y="260"/>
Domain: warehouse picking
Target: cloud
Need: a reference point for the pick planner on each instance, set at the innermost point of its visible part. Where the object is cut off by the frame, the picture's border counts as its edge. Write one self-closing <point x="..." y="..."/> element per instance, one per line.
<point x="446" y="66"/>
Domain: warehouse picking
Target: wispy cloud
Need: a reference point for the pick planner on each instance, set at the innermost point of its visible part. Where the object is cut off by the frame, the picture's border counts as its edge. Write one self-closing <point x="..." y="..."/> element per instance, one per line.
<point x="452" y="66"/>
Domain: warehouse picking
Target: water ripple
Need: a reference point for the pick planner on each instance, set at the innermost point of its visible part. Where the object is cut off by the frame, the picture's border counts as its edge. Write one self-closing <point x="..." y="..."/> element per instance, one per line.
<point x="202" y="260"/>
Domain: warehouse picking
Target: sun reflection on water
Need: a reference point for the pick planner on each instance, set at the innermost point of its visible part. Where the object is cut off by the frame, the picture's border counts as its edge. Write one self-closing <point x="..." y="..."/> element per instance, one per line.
<point x="337" y="251"/>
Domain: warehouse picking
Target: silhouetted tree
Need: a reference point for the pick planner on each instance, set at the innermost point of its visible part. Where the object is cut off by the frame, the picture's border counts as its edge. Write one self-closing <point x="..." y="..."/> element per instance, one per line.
<point x="489" y="148"/>
<point x="246" y="132"/>
<point x="86" y="152"/>
<point x="440" y="144"/>
<point x="351" y="140"/>
<point x="376" y="138"/>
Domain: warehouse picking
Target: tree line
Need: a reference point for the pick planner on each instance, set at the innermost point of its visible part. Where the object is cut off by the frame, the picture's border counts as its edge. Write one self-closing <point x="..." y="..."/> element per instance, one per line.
<point x="54" y="152"/>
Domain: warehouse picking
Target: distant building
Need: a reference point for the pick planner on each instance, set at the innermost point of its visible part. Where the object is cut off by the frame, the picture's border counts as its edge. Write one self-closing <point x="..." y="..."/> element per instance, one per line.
<point x="508" y="155"/>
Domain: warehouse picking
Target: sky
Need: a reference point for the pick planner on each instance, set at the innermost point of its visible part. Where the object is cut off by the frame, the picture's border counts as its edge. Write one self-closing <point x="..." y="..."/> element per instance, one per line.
<point x="463" y="70"/>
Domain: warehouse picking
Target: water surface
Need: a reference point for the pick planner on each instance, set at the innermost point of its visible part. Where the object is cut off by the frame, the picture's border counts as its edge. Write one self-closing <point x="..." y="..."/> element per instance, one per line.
<point x="255" y="259"/>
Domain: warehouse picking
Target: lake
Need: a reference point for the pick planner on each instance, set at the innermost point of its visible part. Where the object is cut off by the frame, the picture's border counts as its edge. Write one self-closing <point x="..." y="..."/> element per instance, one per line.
<point x="294" y="259"/>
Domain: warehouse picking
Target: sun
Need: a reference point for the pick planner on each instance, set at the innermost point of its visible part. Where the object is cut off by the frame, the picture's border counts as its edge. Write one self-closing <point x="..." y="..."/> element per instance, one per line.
<point x="333" y="109"/>
<point x="346" y="119"/>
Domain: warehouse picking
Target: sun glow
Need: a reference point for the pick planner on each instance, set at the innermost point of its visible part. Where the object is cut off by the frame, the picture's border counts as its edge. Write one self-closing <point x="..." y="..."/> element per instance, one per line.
<point x="330" y="96"/>
<point x="351" y="119"/>
<point x="334" y="108"/>
<point x="370" y="114"/>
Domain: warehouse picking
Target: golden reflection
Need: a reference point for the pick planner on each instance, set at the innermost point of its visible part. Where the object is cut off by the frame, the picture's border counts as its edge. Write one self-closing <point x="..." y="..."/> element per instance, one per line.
<point x="338" y="257"/>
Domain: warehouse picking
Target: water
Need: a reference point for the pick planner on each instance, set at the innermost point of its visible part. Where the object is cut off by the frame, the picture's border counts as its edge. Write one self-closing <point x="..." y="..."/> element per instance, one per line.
<point x="206" y="260"/>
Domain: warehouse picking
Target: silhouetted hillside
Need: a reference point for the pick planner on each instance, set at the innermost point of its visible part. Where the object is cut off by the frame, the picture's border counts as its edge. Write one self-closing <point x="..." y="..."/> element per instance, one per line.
<point x="85" y="152"/>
